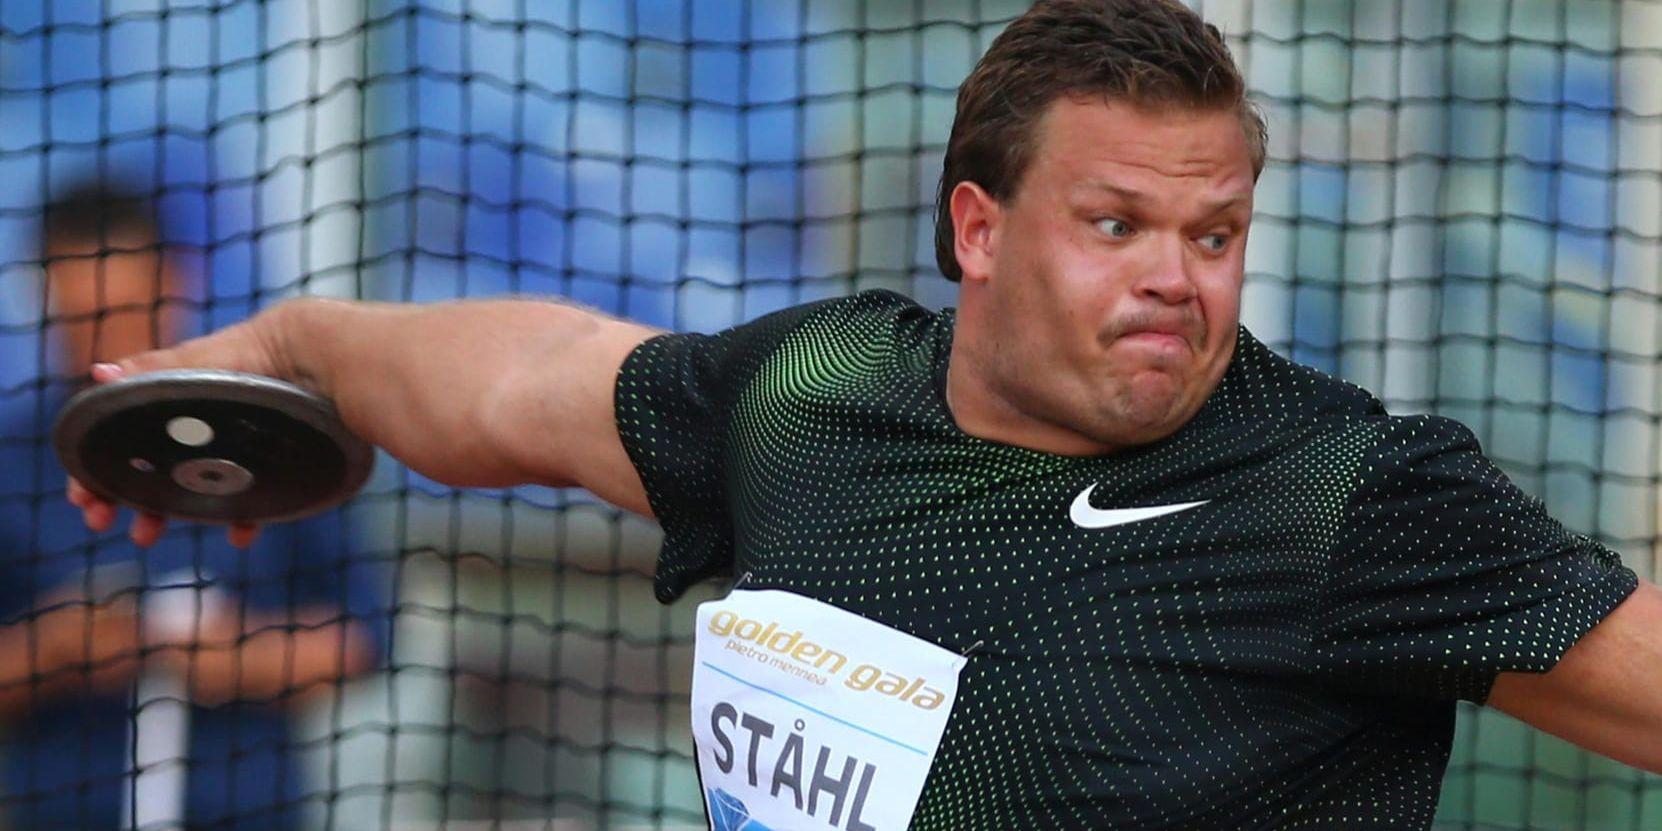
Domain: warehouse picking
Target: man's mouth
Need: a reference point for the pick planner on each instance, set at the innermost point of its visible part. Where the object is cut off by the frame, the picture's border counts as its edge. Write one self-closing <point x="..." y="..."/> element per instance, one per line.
<point x="1155" y="339"/>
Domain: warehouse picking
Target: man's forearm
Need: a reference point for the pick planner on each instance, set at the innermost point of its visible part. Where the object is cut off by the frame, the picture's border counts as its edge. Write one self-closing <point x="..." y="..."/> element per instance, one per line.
<point x="433" y="383"/>
<point x="1605" y="692"/>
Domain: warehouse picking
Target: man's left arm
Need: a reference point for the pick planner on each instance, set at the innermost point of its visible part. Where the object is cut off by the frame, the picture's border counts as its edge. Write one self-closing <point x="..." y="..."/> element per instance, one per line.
<point x="1605" y="693"/>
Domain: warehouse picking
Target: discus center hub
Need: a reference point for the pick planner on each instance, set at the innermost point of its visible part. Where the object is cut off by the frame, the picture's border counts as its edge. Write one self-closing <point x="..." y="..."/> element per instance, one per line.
<point x="212" y="477"/>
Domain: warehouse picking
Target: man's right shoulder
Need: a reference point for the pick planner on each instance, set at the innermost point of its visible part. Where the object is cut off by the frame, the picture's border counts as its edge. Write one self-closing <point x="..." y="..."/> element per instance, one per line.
<point x="868" y="305"/>
<point x="1268" y="385"/>
<point x="828" y="319"/>
<point x="865" y="312"/>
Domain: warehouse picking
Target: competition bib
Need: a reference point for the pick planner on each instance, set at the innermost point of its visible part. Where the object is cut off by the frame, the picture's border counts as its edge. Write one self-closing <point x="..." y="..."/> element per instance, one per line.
<point x="809" y="717"/>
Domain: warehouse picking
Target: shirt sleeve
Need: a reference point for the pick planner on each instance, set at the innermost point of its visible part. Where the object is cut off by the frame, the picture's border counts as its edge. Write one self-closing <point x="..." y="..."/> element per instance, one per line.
<point x="1445" y="574"/>
<point x="674" y="399"/>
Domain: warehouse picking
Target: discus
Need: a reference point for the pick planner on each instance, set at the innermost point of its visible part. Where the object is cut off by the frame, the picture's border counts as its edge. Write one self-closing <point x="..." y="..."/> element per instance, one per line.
<point x="211" y="446"/>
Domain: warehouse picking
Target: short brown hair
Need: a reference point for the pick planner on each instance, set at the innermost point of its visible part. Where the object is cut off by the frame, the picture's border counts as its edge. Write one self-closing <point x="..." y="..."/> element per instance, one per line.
<point x="1154" y="53"/>
<point x="96" y="214"/>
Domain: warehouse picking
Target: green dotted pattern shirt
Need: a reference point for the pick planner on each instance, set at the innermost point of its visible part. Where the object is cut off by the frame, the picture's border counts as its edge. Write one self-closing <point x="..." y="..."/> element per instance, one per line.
<point x="1285" y="656"/>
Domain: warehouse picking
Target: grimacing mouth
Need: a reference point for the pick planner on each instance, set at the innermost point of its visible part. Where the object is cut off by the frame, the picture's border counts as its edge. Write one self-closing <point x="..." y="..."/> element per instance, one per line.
<point x="1190" y="339"/>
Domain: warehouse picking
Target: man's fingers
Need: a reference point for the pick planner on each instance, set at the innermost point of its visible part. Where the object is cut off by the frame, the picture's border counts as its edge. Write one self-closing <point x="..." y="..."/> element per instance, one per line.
<point x="242" y="535"/>
<point x="98" y="514"/>
<point x="99" y="518"/>
<point x="147" y="529"/>
<point x="79" y="496"/>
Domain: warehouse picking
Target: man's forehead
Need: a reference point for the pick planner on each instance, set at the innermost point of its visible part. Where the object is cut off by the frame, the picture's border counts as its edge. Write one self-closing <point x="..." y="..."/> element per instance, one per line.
<point x="1229" y="194"/>
<point x="1113" y="143"/>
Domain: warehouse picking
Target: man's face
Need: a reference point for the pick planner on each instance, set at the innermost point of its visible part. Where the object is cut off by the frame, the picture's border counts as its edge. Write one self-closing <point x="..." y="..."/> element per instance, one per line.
<point x="1115" y="283"/>
<point x="106" y="304"/>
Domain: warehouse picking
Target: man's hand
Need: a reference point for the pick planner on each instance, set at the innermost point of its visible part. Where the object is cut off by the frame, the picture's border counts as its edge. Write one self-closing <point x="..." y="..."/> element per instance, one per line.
<point x="253" y="346"/>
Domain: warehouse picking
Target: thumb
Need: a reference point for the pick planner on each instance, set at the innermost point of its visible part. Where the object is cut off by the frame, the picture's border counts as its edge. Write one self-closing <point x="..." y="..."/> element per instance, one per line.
<point x="152" y="361"/>
<point x="244" y="347"/>
<point x="105" y="373"/>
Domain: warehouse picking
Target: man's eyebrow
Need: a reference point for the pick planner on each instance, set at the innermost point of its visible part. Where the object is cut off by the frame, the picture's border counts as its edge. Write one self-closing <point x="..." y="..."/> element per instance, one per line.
<point x="1128" y="194"/>
<point x="1134" y="196"/>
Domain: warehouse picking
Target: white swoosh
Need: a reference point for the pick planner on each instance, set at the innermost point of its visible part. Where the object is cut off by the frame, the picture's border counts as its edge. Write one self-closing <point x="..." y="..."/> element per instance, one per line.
<point x="1084" y="516"/>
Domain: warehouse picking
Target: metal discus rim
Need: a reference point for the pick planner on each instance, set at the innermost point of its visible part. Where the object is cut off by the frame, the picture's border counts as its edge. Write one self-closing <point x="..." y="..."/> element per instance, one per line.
<point x="89" y="408"/>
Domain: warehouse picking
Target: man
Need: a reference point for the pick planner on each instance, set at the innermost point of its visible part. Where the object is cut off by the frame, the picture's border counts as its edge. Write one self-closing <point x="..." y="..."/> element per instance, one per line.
<point x="242" y="633"/>
<point x="1199" y="586"/>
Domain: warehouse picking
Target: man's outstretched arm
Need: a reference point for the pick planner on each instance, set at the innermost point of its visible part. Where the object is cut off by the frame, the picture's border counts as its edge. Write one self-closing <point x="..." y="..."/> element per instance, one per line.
<point x="1605" y="693"/>
<point x="482" y="393"/>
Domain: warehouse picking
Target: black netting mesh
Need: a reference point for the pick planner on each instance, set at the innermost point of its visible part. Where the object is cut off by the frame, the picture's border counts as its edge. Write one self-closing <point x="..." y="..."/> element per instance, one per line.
<point x="1462" y="211"/>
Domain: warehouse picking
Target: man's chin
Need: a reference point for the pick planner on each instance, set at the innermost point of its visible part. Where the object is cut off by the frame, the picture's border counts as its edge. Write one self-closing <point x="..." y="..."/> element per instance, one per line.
<point x="1141" y="419"/>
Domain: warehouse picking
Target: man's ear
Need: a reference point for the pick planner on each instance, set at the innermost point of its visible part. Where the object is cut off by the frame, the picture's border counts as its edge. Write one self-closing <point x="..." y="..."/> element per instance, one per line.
<point x="975" y="225"/>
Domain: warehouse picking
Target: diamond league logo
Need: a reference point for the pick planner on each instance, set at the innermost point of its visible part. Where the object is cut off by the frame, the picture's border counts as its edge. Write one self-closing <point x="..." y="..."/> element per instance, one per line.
<point x="728" y="813"/>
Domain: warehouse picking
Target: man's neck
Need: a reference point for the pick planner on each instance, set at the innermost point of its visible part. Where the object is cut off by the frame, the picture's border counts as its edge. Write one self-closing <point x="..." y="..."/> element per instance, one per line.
<point x="980" y="411"/>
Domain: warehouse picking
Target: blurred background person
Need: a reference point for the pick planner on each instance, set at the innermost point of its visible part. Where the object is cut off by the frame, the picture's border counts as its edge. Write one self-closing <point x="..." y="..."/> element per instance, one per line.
<point x="100" y="642"/>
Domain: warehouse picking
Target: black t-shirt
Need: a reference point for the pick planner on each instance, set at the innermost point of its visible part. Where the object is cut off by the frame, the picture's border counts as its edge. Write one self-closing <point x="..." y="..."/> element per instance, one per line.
<point x="1285" y="655"/>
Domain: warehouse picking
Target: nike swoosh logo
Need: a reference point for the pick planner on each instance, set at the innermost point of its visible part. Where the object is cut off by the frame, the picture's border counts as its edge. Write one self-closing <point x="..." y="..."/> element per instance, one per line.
<point x="1084" y="516"/>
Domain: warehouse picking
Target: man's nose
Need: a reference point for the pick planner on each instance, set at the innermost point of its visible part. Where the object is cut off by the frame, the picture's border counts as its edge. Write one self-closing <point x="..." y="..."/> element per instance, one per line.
<point x="1167" y="275"/>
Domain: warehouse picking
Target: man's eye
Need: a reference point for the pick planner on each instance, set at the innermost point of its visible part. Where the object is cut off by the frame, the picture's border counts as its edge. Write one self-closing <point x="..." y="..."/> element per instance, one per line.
<point x="1117" y="228"/>
<point x="1215" y="243"/>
